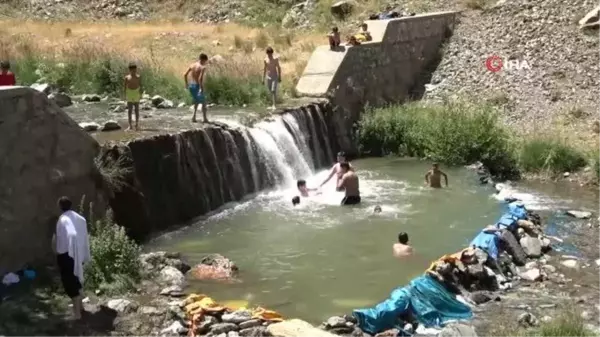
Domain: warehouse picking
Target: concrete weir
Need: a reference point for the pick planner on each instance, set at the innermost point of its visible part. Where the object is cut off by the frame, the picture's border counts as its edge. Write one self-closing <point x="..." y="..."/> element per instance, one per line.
<point x="392" y="68"/>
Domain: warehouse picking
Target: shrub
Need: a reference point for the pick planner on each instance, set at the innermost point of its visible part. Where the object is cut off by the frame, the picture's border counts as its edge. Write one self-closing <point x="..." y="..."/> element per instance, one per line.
<point x="455" y="133"/>
<point x="115" y="266"/>
<point x="568" y="324"/>
<point x="550" y="155"/>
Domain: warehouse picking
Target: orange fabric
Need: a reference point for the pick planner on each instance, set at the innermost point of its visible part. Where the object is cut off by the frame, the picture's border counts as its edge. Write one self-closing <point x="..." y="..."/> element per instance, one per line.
<point x="266" y="315"/>
<point x="448" y="258"/>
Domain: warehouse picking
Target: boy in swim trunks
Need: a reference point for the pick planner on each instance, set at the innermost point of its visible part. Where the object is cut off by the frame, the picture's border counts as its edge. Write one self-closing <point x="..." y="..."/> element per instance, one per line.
<point x="349" y="183"/>
<point x="196" y="85"/>
<point x="272" y="74"/>
<point x="133" y="93"/>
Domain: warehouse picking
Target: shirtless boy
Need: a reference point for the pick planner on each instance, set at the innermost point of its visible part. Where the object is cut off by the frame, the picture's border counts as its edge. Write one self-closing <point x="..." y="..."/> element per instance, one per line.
<point x="196" y="85"/>
<point x="334" y="38"/>
<point x="349" y="182"/>
<point x="272" y="74"/>
<point x="401" y="248"/>
<point x="133" y="93"/>
<point x="433" y="177"/>
<point x="303" y="189"/>
<point x="336" y="170"/>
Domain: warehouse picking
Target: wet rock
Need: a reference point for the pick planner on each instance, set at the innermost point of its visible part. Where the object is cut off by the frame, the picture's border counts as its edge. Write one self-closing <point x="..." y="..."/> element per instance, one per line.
<point x="579" y="214"/>
<point x="89" y="127"/>
<point x="61" y="99"/>
<point x="91" y="98"/>
<point x="570" y="263"/>
<point x="174" y="291"/>
<point x="259" y="331"/>
<point x="157" y="260"/>
<point x="166" y="104"/>
<point x="237" y="317"/>
<point x="532" y="246"/>
<point x="122" y="305"/>
<point x="172" y="276"/>
<point x="532" y="275"/>
<point x="220" y="328"/>
<point x="42" y="87"/>
<point x="110" y="126"/>
<point x="457" y="330"/>
<point x="176" y="328"/>
<point x="156" y="100"/>
<point x="335" y="322"/>
<point x="250" y="324"/>
<point x="296" y="328"/>
<point x="527" y="319"/>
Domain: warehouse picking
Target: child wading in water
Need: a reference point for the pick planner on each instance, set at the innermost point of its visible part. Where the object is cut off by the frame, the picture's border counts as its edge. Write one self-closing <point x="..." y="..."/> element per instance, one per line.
<point x="133" y="93"/>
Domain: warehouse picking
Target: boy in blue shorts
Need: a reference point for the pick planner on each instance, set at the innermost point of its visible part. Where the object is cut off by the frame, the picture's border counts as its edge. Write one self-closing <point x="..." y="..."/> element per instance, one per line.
<point x="196" y="85"/>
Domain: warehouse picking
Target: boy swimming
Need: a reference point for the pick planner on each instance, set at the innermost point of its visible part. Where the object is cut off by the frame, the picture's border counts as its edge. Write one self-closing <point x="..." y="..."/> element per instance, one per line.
<point x="295" y="200"/>
<point x="133" y="93"/>
<point x="301" y="184"/>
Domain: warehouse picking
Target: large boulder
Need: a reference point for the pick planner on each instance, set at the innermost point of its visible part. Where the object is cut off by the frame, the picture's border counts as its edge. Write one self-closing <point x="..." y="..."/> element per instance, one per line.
<point x="215" y="267"/>
<point x="45" y="155"/>
<point x="296" y="328"/>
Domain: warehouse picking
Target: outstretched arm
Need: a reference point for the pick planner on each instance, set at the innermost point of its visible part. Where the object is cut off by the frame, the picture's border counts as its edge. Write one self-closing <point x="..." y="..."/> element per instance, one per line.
<point x="445" y="178"/>
<point x="201" y="79"/>
<point x="328" y="177"/>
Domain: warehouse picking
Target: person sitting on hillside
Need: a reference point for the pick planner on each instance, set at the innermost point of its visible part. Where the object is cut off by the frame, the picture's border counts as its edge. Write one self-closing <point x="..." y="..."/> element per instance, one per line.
<point x="334" y="38"/>
<point x="363" y="34"/>
<point x="7" y="77"/>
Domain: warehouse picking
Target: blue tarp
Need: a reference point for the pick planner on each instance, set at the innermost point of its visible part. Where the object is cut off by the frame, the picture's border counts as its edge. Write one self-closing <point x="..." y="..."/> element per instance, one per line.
<point x="507" y="221"/>
<point x="428" y="301"/>
<point x="488" y="242"/>
<point x="518" y="210"/>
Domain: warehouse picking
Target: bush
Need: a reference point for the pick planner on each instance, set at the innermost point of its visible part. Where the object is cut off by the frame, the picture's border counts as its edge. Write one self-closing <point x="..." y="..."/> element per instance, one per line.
<point x="115" y="266"/>
<point x="568" y="324"/>
<point x="548" y="155"/>
<point x="456" y="133"/>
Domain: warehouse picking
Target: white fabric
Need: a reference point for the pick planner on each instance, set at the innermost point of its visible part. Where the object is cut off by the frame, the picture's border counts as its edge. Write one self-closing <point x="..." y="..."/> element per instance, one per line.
<point x="10" y="278"/>
<point x="72" y="237"/>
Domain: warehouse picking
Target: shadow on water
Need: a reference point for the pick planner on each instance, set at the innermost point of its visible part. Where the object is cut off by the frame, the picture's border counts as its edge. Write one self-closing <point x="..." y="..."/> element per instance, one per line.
<point x="40" y="307"/>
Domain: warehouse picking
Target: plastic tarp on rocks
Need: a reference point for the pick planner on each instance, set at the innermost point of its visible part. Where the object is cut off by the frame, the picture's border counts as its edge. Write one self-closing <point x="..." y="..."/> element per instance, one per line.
<point x="424" y="298"/>
<point x="488" y="242"/>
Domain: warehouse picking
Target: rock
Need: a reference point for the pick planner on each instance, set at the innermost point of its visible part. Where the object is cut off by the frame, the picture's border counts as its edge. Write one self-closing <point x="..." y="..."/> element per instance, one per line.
<point x="547" y="306"/>
<point x="157" y="100"/>
<point x="150" y="311"/>
<point x="216" y="59"/>
<point x="122" y="305"/>
<point x="532" y="275"/>
<point x="532" y="246"/>
<point x="296" y="328"/>
<point x="342" y="8"/>
<point x="89" y="127"/>
<point x="591" y="18"/>
<point x="546" y="243"/>
<point x="233" y="334"/>
<point x="237" y="317"/>
<point x="259" y="331"/>
<point x="174" y="291"/>
<point x="45" y="154"/>
<point x="549" y="268"/>
<point x="91" y="98"/>
<point x="205" y="324"/>
<point x="215" y="267"/>
<point x="527" y="319"/>
<point x="42" y="87"/>
<point x="530" y="265"/>
<point x="172" y="276"/>
<point x="166" y="104"/>
<point x="566" y="174"/>
<point x="579" y="214"/>
<point x="176" y="328"/>
<point x="570" y="263"/>
<point x="61" y="99"/>
<point x="181" y="105"/>
<point x="335" y="322"/>
<point x="110" y="126"/>
<point x="586" y="315"/>
<point x="546" y="319"/>
<point x="598" y="262"/>
<point x="220" y="328"/>
<point x="250" y="324"/>
<point x="457" y="330"/>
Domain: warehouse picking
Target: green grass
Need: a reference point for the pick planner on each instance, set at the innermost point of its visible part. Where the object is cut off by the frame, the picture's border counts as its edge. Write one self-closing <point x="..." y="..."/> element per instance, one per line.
<point x="567" y="324"/>
<point x="104" y="75"/>
<point x="455" y="133"/>
<point x="549" y="155"/>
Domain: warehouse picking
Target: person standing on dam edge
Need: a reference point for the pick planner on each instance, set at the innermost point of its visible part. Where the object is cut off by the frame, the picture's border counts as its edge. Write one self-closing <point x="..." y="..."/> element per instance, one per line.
<point x="272" y="74"/>
<point x="7" y="77"/>
<point x="196" y="85"/>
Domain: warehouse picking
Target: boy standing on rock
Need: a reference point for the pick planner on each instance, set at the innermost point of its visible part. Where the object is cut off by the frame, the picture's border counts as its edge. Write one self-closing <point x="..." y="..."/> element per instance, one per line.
<point x="195" y="85"/>
<point x="133" y="93"/>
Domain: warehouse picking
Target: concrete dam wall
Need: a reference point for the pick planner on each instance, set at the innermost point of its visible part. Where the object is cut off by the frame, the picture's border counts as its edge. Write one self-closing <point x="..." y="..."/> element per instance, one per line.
<point x="390" y="69"/>
<point x="177" y="177"/>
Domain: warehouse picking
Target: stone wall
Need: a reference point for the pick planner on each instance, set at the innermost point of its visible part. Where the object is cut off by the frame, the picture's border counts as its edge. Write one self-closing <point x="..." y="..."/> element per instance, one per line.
<point x="44" y="155"/>
<point x="175" y="178"/>
<point x="389" y="71"/>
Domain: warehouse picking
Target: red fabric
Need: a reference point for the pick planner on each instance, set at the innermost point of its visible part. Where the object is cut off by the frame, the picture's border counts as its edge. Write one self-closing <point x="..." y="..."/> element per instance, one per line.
<point x="7" y="78"/>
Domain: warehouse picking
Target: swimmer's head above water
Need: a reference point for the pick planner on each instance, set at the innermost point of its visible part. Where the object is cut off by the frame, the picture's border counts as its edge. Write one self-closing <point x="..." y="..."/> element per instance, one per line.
<point x="295" y="200"/>
<point x="341" y="157"/>
<point x="377" y="209"/>
<point x="301" y="183"/>
<point x="403" y="238"/>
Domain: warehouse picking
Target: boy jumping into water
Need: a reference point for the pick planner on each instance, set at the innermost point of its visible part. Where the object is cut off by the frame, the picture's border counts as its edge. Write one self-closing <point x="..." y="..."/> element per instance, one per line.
<point x="433" y="177"/>
<point x="272" y="74"/>
<point x="133" y="93"/>
<point x="303" y="189"/>
<point x="196" y="85"/>
<point x="349" y="183"/>
<point x="336" y="170"/>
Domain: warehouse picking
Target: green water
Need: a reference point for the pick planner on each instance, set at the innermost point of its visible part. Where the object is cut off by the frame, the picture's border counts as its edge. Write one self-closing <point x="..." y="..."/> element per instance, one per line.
<point x="322" y="259"/>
